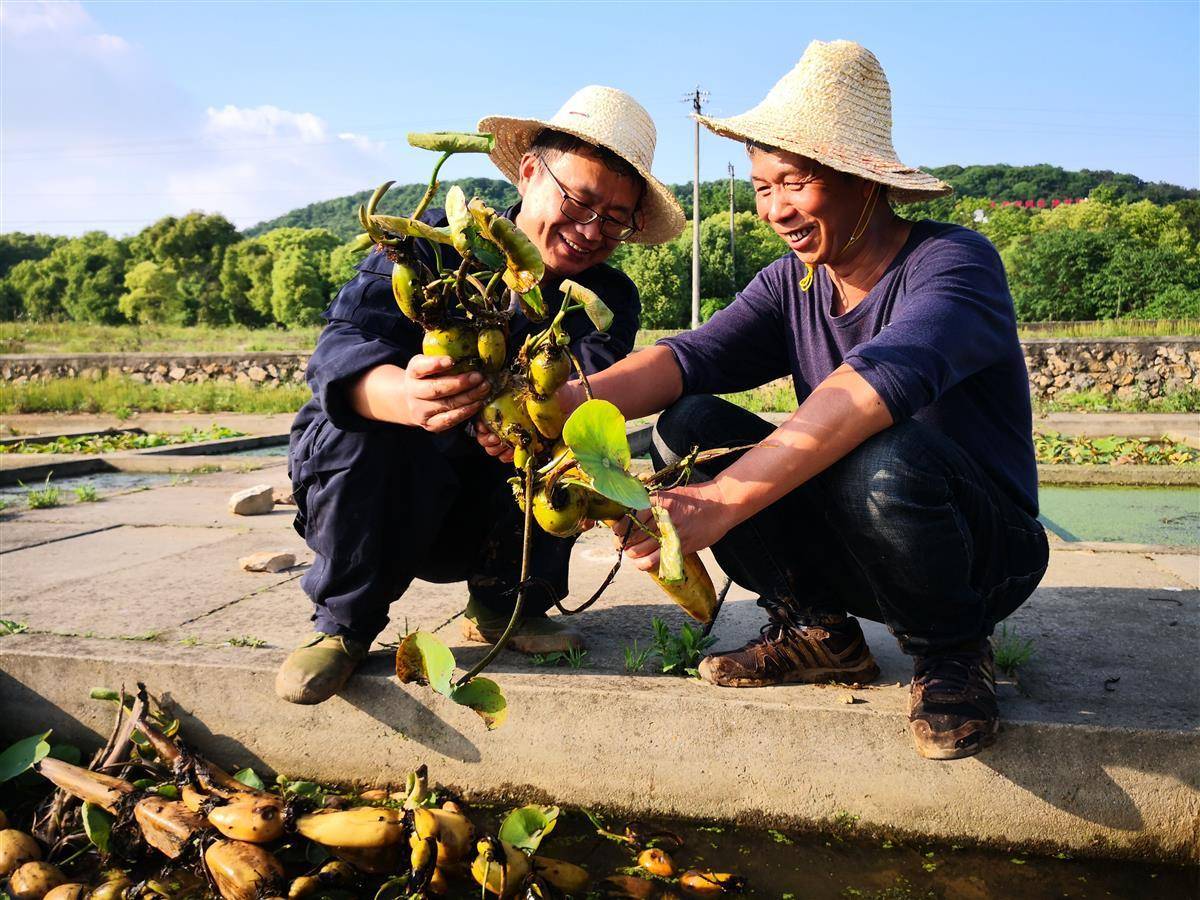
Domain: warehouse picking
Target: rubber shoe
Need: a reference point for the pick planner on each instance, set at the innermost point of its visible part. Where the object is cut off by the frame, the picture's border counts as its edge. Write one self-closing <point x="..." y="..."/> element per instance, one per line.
<point x="952" y="710"/>
<point x="785" y="653"/>
<point x="318" y="668"/>
<point x="535" y="635"/>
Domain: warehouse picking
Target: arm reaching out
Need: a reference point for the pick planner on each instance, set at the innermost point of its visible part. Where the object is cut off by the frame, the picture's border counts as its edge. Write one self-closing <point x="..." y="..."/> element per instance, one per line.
<point x="842" y="412"/>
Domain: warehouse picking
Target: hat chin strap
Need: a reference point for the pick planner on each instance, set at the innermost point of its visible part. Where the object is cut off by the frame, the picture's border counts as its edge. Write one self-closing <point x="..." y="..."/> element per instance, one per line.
<point x="860" y="229"/>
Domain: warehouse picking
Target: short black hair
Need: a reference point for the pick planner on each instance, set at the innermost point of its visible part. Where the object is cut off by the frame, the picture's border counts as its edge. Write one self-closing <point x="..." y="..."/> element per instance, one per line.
<point x="550" y="145"/>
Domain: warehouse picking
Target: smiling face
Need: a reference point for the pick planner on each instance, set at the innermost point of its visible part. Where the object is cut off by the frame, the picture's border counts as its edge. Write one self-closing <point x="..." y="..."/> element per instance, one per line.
<point x="812" y="207"/>
<point x="567" y="247"/>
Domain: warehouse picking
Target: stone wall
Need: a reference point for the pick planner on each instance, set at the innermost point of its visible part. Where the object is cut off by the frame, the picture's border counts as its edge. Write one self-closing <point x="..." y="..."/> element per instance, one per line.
<point x="154" y="368"/>
<point x="1129" y="368"/>
<point x="1126" y="367"/>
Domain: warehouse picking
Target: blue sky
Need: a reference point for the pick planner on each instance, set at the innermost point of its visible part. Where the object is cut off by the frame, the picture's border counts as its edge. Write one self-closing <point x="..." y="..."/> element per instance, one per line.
<point x="115" y="114"/>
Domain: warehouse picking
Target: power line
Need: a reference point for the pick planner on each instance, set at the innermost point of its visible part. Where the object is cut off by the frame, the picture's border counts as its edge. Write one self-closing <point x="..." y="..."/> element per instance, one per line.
<point x="697" y="98"/>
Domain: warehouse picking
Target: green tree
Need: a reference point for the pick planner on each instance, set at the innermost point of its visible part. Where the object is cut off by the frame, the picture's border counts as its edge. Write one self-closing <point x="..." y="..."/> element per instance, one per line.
<point x="40" y="288"/>
<point x="1053" y="274"/>
<point x="342" y="260"/>
<point x="246" y="283"/>
<point x="1142" y="282"/>
<point x="16" y="246"/>
<point x="1189" y="217"/>
<point x="95" y="271"/>
<point x="1140" y="223"/>
<point x="81" y="280"/>
<point x="194" y="246"/>
<point x="152" y="295"/>
<point x="299" y="292"/>
<point x="11" y="304"/>
<point x="662" y="274"/>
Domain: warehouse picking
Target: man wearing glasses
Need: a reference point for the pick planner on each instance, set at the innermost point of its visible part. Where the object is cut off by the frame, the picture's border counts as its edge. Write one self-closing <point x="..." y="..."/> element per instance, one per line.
<point x="393" y="479"/>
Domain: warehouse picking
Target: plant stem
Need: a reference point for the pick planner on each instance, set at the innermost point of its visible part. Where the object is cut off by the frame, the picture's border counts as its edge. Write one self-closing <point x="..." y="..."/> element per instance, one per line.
<point x="527" y="540"/>
<point x="433" y="186"/>
<point x="587" y="388"/>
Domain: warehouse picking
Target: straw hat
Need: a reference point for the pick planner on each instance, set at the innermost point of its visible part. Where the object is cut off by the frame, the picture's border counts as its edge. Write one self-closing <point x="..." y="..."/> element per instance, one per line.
<point x="835" y="107"/>
<point x="605" y="117"/>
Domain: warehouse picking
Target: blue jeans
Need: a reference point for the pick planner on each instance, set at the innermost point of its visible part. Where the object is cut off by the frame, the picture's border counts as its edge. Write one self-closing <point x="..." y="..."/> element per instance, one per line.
<point x="906" y="530"/>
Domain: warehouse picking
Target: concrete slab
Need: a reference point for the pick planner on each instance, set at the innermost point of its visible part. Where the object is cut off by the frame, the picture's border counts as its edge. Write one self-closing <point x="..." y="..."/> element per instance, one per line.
<point x="1100" y="752"/>
<point x="1184" y="566"/>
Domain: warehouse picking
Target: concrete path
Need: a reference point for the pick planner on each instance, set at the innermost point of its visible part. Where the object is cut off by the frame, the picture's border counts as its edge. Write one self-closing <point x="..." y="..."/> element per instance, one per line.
<point x="1100" y="750"/>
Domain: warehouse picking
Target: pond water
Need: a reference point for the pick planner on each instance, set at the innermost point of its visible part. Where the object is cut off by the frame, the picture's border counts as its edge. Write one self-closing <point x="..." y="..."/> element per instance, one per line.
<point x="841" y="864"/>
<point x="1137" y="515"/>
<point x="104" y="483"/>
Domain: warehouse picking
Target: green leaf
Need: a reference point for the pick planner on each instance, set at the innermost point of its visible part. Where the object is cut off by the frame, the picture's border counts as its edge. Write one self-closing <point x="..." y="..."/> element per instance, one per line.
<point x="424" y="659"/>
<point x="524" y="828"/>
<point x="453" y="141"/>
<point x="22" y="755"/>
<point x="483" y="695"/>
<point x="670" y="556"/>
<point x="170" y="791"/>
<point x="68" y="753"/>
<point x="303" y="788"/>
<point x="595" y="432"/>
<point x="595" y="308"/>
<point x="250" y="778"/>
<point x="532" y="304"/>
<point x="412" y="228"/>
<point x="97" y="824"/>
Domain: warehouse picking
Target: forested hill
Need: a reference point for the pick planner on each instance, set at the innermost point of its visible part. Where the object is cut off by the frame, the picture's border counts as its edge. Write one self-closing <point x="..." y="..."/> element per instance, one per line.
<point x="340" y="215"/>
<point x="994" y="182"/>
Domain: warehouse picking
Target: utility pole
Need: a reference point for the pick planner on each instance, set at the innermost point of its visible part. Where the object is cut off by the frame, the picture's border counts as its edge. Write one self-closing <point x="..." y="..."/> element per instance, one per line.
<point x="732" y="251"/>
<point x="697" y="98"/>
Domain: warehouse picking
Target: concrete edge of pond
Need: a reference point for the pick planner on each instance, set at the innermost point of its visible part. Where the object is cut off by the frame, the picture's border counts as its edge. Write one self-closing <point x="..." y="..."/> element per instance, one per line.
<point x="647" y="746"/>
<point x="131" y="461"/>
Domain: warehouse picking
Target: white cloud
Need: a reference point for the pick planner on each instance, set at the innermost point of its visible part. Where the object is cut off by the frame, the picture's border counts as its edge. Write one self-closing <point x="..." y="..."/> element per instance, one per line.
<point x="361" y="141"/>
<point x="25" y="19"/>
<point x="110" y="43"/>
<point x="136" y="146"/>
<point x="268" y="121"/>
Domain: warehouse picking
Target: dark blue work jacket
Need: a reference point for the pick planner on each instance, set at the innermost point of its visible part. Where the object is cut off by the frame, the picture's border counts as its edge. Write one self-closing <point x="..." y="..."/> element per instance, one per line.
<point x="366" y="329"/>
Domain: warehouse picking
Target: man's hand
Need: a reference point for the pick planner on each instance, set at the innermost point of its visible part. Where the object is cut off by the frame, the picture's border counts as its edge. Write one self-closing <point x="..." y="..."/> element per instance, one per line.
<point x="420" y="395"/>
<point x="438" y="402"/>
<point x="699" y="513"/>
<point x="491" y="443"/>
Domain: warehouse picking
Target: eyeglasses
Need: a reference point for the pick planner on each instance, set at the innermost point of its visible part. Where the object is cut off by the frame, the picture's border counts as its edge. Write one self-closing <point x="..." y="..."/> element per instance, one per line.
<point x="613" y="229"/>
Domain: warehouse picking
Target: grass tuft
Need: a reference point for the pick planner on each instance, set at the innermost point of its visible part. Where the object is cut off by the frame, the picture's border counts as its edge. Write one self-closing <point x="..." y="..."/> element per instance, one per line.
<point x="45" y="497"/>
<point x="636" y="658"/>
<point x="86" y="493"/>
<point x="1010" y="651"/>
<point x="246" y="640"/>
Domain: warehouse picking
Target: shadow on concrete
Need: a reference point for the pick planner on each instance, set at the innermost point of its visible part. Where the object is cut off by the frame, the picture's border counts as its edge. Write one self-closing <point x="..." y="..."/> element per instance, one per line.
<point x="212" y="744"/>
<point x="1118" y="658"/>
<point x="390" y="704"/>
<point x="67" y="728"/>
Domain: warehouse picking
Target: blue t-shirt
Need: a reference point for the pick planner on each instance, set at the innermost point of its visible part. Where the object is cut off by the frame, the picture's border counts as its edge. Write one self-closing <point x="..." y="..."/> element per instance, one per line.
<point x="936" y="338"/>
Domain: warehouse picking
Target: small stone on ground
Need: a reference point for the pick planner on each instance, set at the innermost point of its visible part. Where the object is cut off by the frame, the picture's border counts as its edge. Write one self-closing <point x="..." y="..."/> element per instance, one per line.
<point x="268" y="561"/>
<point x="254" y="501"/>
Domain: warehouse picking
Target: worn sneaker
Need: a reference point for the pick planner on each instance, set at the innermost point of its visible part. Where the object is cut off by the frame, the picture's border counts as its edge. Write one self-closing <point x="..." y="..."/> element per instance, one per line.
<point x="318" y="668"/>
<point x="952" y="702"/>
<point x="785" y="653"/>
<point x="534" y="635"/>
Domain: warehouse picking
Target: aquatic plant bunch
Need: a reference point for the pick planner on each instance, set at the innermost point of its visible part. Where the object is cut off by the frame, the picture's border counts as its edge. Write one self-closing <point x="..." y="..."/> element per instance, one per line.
<point x="464" y="302"/>
<point x="162" y="828"/>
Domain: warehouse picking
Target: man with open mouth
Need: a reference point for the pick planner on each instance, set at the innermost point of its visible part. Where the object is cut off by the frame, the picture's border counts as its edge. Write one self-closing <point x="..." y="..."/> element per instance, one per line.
<point x="904" y="488"/>
<point x="390" y="481"/>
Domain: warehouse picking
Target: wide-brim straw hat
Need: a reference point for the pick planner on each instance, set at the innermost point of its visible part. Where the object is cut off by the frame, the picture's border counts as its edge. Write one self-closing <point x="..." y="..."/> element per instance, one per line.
<point x="835" y="106"/>
<point x="604" y="117"/>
